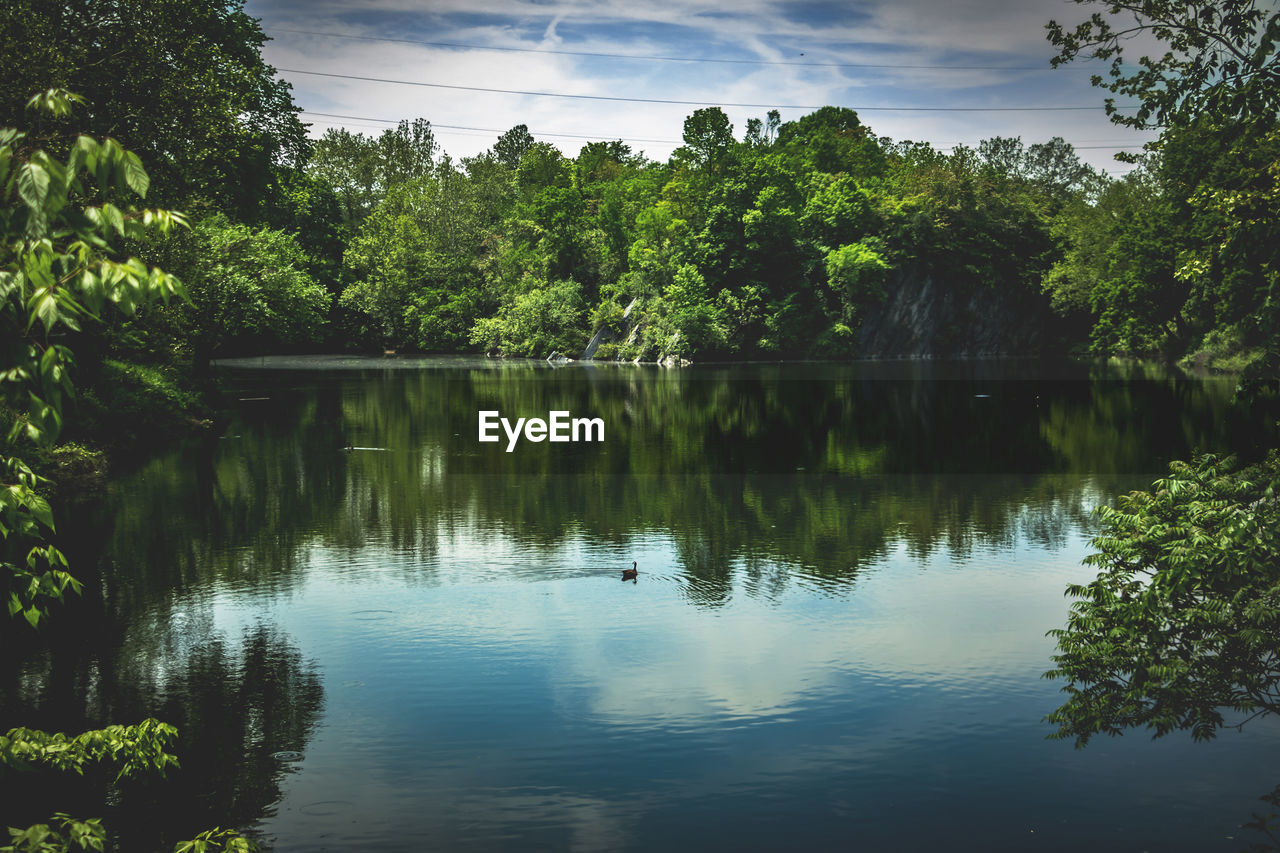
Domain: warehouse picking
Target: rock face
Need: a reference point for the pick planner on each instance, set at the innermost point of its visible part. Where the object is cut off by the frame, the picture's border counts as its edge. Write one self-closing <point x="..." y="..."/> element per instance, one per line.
<point x="926" y="316"/>
<point x="605" y="335"/>
<point x="923" y="318"/>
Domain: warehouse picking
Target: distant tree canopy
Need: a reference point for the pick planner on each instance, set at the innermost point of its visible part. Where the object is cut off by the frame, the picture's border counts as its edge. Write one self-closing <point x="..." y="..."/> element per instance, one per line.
<point x="363" y="169"/>
<point x="787" y="235"/>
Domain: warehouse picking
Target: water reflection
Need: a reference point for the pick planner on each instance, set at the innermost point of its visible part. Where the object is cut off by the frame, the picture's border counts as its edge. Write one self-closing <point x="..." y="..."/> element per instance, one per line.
<point x="846" y="577"/>
<point x="238" y="705"/>
<point x="824" y="470"/>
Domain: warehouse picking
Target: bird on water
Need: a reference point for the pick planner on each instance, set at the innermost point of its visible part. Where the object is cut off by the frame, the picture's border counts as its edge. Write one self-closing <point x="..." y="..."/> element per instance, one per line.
<point x="630" y="574"/>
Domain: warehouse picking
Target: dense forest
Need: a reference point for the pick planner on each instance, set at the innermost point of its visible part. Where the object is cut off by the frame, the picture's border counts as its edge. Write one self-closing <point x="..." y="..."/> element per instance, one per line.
<point x="811" y="238"/>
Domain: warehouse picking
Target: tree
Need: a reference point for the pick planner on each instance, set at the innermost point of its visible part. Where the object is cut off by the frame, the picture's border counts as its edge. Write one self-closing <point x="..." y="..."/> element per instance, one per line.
<point x="1005" y="155"/>
<point x="541" y="166"/>
<point x="56" y="276"/>
<point x="363" y="169"/>
<point x="708" y="137"/>
<point x="762" y="132"/>
<point x="1183" y="619"/>
<point x="248" y="290"/>
<point x="1056" y="168"/>
<point x="59" y="222"/>
<point x="833" y="139"/>
<point x="602" y="161"/>
<point x="546" y="317"/>
<point x="1216" y="92"/>
<point x="180" y="81"/>
<point x="1221" y="59"/>
<point x="855" y="273"/>
<point x="512" y="145"/>
<point x="415" y="259"/>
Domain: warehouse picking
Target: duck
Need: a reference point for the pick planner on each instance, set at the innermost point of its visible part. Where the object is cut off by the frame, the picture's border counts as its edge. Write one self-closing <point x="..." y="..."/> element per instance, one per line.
<point x="630" y="574"/>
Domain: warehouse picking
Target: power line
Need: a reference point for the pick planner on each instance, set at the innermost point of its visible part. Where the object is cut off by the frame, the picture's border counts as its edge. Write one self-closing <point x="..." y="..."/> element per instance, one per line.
<point x="634" y="138"/>
<point x="668" y="58"/>
<point x="495" y="130"/>
<point x="707" y="103"/>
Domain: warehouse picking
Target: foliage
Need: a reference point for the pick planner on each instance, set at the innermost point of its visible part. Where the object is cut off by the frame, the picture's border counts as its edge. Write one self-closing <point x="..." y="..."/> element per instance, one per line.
<point x="182" y="83"/>
<point x="546" y="317"/>
<point x="69" y="834"/>
<point x="216" y="840"/>
<point x="512" y="145"/>
<point x="852" y="270"/>
<point x="443" y="259"/>
<point x="416" y="260"/>
<point x="1220" y="59"/>
<point x="129" y="402"/>
<point x="1208" y="223"/>
<point x="57" y="274"/>
<point x="135" y="749"/>
<point x="248" y="289"/>
<point x="363" y="169"/>
<point x="683" y="321"/>
<point x="1183" y="619"/>
<point x="59" y="270"/>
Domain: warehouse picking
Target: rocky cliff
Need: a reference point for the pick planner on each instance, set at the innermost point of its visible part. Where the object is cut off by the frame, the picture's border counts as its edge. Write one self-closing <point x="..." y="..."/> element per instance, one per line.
<point x="923" y="317"/>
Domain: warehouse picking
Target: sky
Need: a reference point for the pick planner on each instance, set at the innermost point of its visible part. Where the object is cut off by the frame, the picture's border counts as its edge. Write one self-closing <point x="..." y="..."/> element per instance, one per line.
<point x="893" y="61"/>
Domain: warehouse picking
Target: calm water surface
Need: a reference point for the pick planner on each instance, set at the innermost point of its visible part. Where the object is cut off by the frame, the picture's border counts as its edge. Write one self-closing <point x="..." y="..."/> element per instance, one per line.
<point x="835" y="641"/>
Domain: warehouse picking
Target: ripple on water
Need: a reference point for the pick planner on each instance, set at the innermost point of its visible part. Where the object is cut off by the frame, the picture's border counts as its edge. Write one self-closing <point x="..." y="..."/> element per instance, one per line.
<point x="325" y="808"/>
<point x="370" y="615"/>
<point x="287" y="755"/>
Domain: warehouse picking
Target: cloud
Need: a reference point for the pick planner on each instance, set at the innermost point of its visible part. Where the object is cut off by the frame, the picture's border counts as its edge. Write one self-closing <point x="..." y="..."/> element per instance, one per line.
<point x="1005" y="33"/>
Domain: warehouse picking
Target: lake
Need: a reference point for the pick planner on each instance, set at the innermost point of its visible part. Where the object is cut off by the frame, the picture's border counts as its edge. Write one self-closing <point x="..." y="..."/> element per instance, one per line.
<point x="376" y="632"/>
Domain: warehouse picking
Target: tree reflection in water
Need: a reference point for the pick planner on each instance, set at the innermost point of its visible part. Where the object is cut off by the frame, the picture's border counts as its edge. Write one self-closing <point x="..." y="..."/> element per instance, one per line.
<point x="236" y="704"/>
<point x="759" y="478"/>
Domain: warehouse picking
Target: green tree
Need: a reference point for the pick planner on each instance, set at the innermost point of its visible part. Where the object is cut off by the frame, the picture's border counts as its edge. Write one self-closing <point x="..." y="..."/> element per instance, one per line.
<point x="708" y="138"/>
<point x="545" y="317"/>
<point x="1182" y="623"/>
<point x="542" y="166"/>
<point x="248" y="288"/>
<point x="57" y="276"/>
<point x="181" y="81"/>
<point x="59" y="271"/>
<point x="685" y="320"/>
<point x="363" y="169"/>
<point x="1216" y="92"/>
<point x="416" y="260"/>
<point x="512" y="146"/>
<point x="834" y="140"/>
<point x="1220" y="59"/>
<point x="1183" y="619"/>
<point x="855" y="271"/>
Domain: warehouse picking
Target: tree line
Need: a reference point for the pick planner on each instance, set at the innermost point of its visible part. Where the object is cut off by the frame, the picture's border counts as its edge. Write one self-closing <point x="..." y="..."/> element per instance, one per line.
<point x="781" y="240"/>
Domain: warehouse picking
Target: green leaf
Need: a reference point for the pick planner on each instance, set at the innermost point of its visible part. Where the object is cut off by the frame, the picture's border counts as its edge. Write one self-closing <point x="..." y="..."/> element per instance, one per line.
<point x="84" y="154"/>
<point x="135" y="175"/>
<point x="33" y="185"/>
<point x="54" y="102"/>
<point x="112" y="216"/>
<point x="42" y="307"/>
